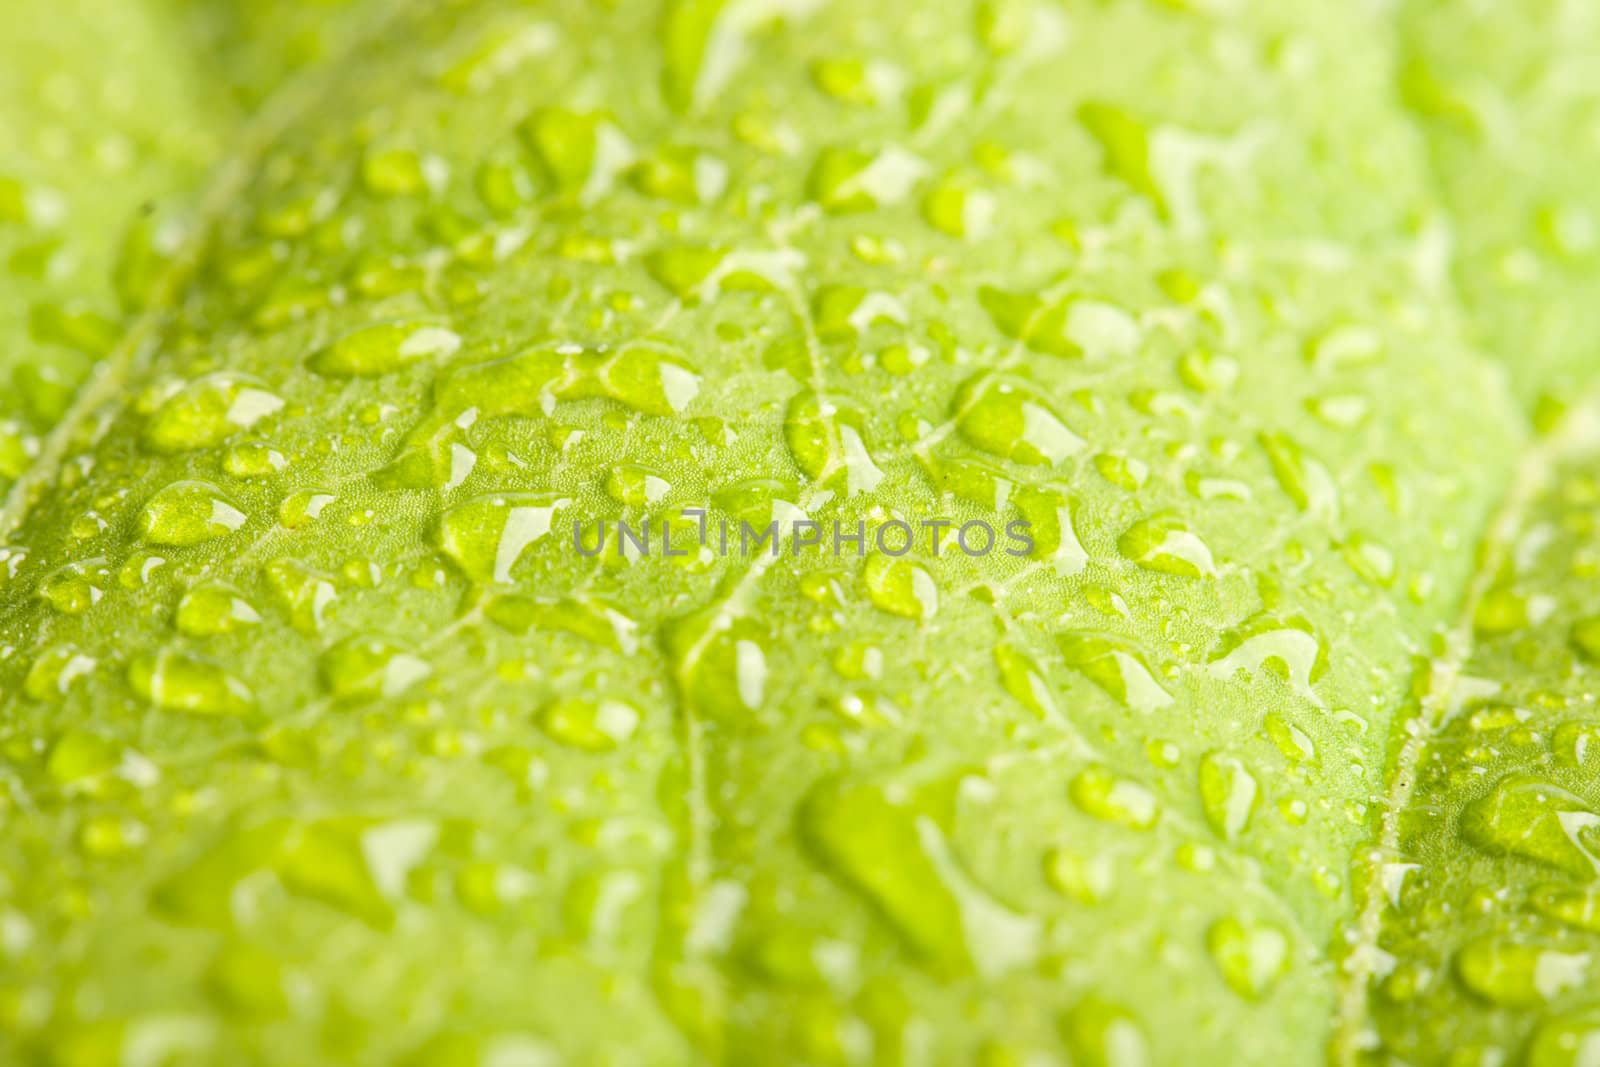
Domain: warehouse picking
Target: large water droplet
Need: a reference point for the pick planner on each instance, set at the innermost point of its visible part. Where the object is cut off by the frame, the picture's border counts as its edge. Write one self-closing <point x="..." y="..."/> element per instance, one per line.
<point x="382" y="349"/>
<point x="304" y="593"/>
<point x="207" y="411"/>
<point x="1229" y="793"/>
<point x="1527" y="817"/>
<point x="1008" y="418"/>
<point x="1519" y="974"/>
<point x="1166" y="544"/>
<point x="1115" y="666"/>
<point x="179" y="681"/>
<point x="891" y="846"/>
<point x="1250" y="955"/>
<point x="591" y="725"/>
<point x="1099" y="1033"/>
<point x="826" y="440"/>
<point x="487" y="535"/>
<point x="212" y="608"/>
<point x="188" y="513"/>
<point x="900" y="587"/>
<point x="363" y="668"/>
<point x="1112" y="798"/>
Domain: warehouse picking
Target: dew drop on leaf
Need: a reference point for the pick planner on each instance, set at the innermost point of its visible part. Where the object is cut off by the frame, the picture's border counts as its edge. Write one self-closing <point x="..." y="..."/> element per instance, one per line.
<point x="188" y="513"/>
<point x="1106" y="796"/>
<point x="180" y="681"/>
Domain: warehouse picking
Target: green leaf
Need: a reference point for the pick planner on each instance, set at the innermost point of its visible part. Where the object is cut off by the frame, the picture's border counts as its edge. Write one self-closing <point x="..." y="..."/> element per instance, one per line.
<point x="113" y="114"/>
<point x="343" y="720"/>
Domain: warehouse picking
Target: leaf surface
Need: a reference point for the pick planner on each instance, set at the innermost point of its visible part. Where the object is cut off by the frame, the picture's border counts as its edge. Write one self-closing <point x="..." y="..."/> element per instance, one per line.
<point x="325" y="743"/>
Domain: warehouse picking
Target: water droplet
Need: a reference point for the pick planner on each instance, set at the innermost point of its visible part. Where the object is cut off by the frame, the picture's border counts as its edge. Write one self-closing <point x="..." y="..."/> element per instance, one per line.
<point x="1578" y="908"/>
<point x="1111" y="798"/>
<point x="77" y="758"/>
<point x="179" y="681"/>
<point x="383" y="349"/>
<point x="1524" y="816"/>
<point x="636" y="485"/>
<point x="1285" y="649"/>
<point x="188" y="513"/>
<point x="974" y="480"/>
<point x="588" y="617"/>
<point x="1303" y="477"/>
<point x="1519" y="974"/>
<point x="352" y="865"/>
<point x="1168" y="545"/>
<point x="1290" y="739"/>
<point x="1022" y="678"/>
<point x="680" y="173"/>
<point x="1345" y="346"/>
<point x="1049" y="514"/>
<point x="1088" y="879"/>
<point x="401" y="171"/>
<point x="1229" y="794"/>
<point x="1115" y="666"/>
<point x="1125" y="148"/>
<point x="900" y="587"/>
<point x="55" y="670"/>
<point x="645" y="375"/>
<point x="1370" y="559"/>
<point x="684" y="270"/>
<point x="303" y="507"/>
<point x="74" y="588"/>
<point x="303" y="593"/>
<point x="1070" y="327"/>
<point x="486" y="536"/>
<point x="1574" y="744"/>
<point x="1008" y="418"/>
<point x="579" y="152"/>
<point x="591" y="725"/>
<point x="720" y="663"/>
<point x="890" y="845"/>
<point x="835" y="181"/>
<point x="826" y="440"/>
<point x="207" y="411"/>
<point x="955" y="207"/>
<point x="1251" y="956"/>
<point x="1124" y="472"/>
<point x="362" y="668"/>
<point x="253" y="459"/>
<point x="213" y="608"/>
<point x="1099" y="1033"/>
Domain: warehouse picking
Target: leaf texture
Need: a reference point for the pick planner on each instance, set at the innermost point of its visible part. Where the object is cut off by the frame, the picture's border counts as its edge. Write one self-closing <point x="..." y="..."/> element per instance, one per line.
<point x="324" y="742"/>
